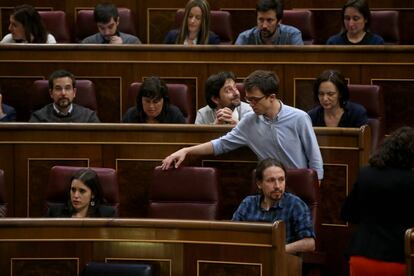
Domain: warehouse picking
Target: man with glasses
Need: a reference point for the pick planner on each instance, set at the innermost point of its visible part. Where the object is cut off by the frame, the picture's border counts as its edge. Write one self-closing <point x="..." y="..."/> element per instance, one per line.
<point x="274" y="130"/>
<point x="269" y="30"/>
<point x="62" y="90"/>
<point x="223" y="101"/>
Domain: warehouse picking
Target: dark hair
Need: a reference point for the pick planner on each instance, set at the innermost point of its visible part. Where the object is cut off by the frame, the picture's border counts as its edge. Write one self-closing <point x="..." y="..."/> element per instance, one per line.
<point x="61" y="74"/>
<point x="153" y="88"/>
<point x="267" y="5"/>
<point x="213" y="85"/>
<point x="32" y="23"/>
<point x="397" y="150"/>
<point x="103" y="13"/>
<point x="205" y="22"/>
<point x="338" y="80"/>
<point x="266" y="163"/>
<point x="362" y="7"/>
<point x="90" y="179"/>
<point x="266" y="81"/>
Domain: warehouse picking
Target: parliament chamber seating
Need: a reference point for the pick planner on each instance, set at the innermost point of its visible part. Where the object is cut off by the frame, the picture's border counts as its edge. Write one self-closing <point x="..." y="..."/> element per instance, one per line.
<point x="86" y="25"/>
<point x="57" y="24"/>
<point x="85" y="94"/>
<point x="304" y="183"/>
<point x="179" y="96"/>
<point x="386" y="24"/>
<point x="117" y="269"/>
<point x="3" y="199"/>
<point x="220" y="24"/>
<point x="371" y="97"/>
<point x="184" y="193"/>
<point x="303" y="20"/>
<point x="59" y="183"/>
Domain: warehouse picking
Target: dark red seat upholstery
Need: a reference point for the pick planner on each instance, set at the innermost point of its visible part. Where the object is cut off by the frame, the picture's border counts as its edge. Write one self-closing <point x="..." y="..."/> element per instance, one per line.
<point x="386" y="24"/>
<point x="85" y="95"/>
<point x="371" y="97"/>
<point x="86" y="25"/>
<point x="220" y="24"/>
<point x="304" y="183"/>
<point x="56" y="23"/>
<point x="59" y="183"/>
<point x="303" y="20"/>
<point x="3" y="200"/>
<point x="184" y="193"/>
<point x="178" y="94"/>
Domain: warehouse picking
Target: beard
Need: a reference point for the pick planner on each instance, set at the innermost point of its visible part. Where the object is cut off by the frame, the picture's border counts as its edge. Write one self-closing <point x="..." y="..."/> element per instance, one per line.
<point x="63" y="103"/>
<point x="267" y="34"/>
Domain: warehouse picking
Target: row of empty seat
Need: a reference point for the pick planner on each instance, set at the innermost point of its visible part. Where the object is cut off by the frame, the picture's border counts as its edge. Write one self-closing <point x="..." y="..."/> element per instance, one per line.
<point x="384" y="23"/>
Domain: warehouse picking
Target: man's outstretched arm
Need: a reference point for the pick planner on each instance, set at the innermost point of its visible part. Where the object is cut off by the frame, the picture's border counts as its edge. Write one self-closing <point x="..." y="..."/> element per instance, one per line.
<point x="178" y="157"/>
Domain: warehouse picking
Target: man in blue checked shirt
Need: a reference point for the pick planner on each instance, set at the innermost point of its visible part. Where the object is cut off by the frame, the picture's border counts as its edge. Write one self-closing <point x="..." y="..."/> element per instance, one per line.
<point x="273" y="203"/>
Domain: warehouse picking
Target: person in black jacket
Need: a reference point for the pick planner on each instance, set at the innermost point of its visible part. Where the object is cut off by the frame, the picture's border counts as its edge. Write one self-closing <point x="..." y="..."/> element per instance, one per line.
<point x="85" y="198"/>
<point x="381" y="204"/>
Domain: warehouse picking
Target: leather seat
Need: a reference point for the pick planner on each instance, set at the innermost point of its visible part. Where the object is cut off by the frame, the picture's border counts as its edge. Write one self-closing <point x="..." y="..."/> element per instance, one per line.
<point x="303" y="20"/>
<point x="3" y="200"/>
<point x="117" y="269"/>
<point x="57" y="24"/>
<point x="178" y="94"/>
<point x="86" y="25"/>
<point x="59" y="183"/>
<point x="371" y="97"/>
<point x="184" y="193"/>
<point x="386" y="24"/>
<point x="39" y="95"/>
<point x="220" y="24"/>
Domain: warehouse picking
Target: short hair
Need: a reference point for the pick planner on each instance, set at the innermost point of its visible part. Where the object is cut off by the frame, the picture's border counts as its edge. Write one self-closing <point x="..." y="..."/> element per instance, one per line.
<point x="267" y="5"/>
<point x="397" y="150"/>
<point x="213" y="85"/>
<point x="103" y="13"/>
<point x="203" y="34"/>
<point x="338" y="80"/>
<point x="266" y="163"/>
<point x="362" y="7"/>
<point x="90" y="178"/>
<point x="61" y="74"/>
<point x="266" y="81"/>
<point x="32" y="23"/>
<point x="154" y="88"/>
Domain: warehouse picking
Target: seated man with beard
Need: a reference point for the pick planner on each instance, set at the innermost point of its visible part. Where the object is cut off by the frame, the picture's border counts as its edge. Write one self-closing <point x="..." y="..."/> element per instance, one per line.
<point x="223" y="101"/>
<point x="62" y="89"/>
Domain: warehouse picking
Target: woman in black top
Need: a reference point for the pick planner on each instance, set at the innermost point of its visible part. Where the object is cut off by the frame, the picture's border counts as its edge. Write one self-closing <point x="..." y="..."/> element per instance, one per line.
<point x="85" y="198"/>
<point x="381" y="204"/>
<point x="153" y="105"/>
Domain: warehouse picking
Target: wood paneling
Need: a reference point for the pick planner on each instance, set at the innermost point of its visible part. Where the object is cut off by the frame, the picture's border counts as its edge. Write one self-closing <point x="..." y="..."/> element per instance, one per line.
<point x="63" y="247"/>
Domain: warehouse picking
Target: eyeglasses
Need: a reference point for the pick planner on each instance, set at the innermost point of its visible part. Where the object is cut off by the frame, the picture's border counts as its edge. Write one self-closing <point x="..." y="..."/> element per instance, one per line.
<point x="254" y="100"/>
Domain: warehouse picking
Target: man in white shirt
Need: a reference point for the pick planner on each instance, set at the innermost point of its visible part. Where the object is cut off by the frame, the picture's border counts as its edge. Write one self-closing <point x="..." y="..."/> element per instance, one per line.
<point x="223" y="101"/>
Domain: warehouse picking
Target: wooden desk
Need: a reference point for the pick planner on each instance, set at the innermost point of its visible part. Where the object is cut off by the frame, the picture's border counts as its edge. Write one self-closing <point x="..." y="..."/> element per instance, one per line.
<point x="28" y="151"/>
<point x="174" y="247"/>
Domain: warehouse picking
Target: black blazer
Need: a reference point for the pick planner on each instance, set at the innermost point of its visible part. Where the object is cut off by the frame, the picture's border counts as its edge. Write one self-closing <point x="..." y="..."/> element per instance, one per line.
<point x="62" y="211"/>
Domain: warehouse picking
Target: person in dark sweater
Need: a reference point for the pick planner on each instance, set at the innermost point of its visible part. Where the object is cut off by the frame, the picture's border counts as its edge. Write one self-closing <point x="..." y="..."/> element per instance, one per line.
<point x="153" y="105"/>
<point x="62" y="89"/>
<point x="84" y="198"/>
<point x="380" y="204"/>
<point x="334" y="109"/>
<point x="356" y="19"/>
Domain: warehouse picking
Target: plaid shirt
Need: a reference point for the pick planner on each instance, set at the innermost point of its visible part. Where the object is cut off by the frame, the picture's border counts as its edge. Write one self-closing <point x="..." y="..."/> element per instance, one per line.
<point x="291" y="209"/>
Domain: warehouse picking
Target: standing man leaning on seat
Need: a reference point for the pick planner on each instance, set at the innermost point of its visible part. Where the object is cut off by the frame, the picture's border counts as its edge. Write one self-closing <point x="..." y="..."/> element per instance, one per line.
<point x="62" y="89"/>
<point x="273" y="204"/>
<point x="274" y="130"/>
<point x="269" y="29"/>
<point x="223" y="101"/>
<point x="107" y="19"/>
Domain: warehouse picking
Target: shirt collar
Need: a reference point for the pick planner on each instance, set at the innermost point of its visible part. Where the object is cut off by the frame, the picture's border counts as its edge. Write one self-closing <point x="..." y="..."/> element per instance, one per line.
<point x="276" y="205"/>
<point x="60" y="113"/>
